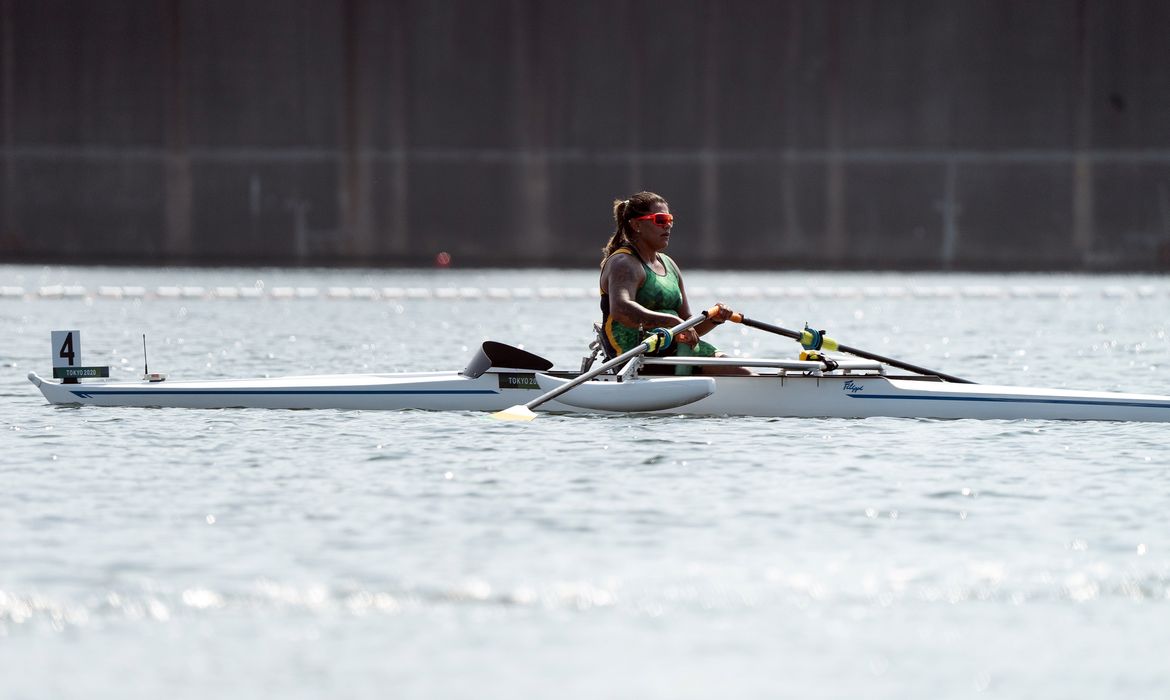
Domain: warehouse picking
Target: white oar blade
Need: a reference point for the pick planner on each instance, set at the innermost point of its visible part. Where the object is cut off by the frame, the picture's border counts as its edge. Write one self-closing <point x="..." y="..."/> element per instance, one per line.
<point x="519" y="413"/>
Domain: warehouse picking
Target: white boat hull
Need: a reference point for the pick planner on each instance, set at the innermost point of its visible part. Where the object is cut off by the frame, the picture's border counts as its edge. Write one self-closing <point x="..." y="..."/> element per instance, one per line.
<point x="778" y="395"/>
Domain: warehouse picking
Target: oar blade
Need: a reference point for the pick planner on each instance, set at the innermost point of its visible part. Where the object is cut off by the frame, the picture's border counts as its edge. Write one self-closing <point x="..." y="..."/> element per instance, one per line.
<point x="519" y="412"/>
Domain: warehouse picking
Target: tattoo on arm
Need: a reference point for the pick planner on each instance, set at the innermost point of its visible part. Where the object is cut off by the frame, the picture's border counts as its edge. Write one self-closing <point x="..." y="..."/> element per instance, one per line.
<point x="623" y="276"/>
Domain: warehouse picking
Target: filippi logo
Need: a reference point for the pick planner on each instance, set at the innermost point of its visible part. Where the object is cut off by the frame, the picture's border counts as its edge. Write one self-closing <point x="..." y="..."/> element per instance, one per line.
<point x="851" y="387"/>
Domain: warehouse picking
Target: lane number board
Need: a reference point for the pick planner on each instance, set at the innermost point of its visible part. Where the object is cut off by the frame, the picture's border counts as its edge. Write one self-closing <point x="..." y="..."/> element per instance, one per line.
<point x="66" y="349"/>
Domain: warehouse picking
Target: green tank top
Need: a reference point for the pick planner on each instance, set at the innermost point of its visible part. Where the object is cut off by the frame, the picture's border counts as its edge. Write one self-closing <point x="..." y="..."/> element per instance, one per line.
<point x="659" y="293"/>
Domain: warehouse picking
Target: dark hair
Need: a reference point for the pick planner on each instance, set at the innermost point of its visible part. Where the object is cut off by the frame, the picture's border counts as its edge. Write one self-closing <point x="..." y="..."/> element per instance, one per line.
<point x="624" y="210"/>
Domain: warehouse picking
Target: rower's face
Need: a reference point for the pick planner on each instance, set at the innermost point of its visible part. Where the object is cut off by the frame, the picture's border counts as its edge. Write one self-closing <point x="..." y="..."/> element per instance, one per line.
<point x="657" y="236"/>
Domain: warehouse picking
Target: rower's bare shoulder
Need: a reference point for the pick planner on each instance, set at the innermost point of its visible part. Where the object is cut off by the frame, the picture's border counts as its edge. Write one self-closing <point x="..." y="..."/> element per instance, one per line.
<point x="622" y="271"/>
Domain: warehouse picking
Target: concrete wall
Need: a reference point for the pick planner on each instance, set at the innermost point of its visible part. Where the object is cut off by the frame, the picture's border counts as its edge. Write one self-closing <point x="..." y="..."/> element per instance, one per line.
<point x="853" y="133"/>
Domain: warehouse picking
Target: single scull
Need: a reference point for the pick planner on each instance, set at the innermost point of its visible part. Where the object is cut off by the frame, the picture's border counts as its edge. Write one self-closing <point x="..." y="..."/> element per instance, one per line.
<point x="500" y="376"/>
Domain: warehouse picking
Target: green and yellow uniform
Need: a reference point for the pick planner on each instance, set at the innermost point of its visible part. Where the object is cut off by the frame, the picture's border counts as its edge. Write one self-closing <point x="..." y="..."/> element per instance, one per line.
<point x="660" y="293"/>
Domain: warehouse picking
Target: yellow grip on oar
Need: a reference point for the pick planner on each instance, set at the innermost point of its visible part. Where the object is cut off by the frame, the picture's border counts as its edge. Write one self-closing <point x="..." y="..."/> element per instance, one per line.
<point x="817" y="341"/>
<point x="811" y="339"/>
<point x="659" y="339"/>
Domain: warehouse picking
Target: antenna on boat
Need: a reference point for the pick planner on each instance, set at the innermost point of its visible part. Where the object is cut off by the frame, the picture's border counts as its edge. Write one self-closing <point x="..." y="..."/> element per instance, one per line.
<point x="157" y="376"/>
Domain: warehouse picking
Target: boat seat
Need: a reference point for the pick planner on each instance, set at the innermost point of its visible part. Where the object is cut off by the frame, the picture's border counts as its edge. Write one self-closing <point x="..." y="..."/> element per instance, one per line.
<point x="597" y="347"/>
<point x="599" y="341"/>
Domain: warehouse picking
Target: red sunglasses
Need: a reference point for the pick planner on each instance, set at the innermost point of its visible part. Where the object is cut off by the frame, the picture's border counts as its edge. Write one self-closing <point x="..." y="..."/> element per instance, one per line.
<point x="659" y="219"/>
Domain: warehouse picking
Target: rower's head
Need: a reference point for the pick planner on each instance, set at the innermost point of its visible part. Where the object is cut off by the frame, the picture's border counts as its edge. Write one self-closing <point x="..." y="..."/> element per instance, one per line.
<point x="644" y="216"/>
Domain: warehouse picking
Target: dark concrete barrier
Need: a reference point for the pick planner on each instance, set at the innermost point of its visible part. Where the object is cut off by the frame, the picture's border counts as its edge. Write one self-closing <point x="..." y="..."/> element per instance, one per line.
<point x="880" y="134"/>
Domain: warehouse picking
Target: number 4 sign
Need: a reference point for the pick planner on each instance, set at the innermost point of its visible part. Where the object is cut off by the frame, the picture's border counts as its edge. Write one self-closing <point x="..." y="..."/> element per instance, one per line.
<point x="66" y="348"/>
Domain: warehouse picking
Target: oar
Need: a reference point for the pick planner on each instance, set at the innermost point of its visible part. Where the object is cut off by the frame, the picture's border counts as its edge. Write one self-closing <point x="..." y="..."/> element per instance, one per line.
<point x="810" y="337"/>
<point x="524" y="411"/>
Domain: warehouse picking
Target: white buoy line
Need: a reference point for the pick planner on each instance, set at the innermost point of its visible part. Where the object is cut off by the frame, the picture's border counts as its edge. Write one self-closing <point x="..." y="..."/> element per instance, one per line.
<point x="174" y="292"/>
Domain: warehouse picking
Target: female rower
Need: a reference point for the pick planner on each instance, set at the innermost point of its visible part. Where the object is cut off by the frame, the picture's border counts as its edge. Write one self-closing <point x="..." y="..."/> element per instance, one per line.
<point x="642" y="288"/>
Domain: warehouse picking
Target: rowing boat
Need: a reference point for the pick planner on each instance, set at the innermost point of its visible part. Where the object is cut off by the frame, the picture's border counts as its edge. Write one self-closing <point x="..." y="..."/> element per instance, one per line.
<point x="500" y="376"/>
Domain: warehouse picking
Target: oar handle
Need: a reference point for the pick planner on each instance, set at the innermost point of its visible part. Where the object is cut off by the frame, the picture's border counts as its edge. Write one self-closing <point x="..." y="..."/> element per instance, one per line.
<point x="624" y="357"/>
<point x="829" y="344"/>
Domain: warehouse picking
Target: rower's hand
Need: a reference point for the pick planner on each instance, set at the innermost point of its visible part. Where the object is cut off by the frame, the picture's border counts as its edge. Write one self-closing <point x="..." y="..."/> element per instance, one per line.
<point x="689" y="337"/>
<point x="722" y="313"/>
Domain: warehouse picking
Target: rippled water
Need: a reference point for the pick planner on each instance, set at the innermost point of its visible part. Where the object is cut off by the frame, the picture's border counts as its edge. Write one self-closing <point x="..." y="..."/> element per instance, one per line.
<point x="159" y="552"/>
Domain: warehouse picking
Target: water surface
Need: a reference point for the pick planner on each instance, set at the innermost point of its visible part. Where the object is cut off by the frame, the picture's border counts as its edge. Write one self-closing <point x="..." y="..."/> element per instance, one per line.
<point x="169" y="552"/>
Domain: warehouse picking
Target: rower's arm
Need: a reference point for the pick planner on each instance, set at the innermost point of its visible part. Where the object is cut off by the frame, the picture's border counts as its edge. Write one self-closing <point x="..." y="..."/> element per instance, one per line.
<point x="620" y="279"/>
